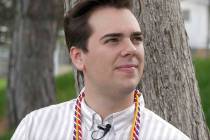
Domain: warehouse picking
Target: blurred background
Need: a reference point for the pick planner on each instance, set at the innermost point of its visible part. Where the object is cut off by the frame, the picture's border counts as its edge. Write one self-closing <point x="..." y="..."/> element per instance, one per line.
<point x="196" y="14"/>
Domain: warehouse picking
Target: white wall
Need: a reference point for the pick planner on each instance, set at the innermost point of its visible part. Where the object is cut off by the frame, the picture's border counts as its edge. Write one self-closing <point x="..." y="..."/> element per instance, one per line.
<point x="197" y="26"/>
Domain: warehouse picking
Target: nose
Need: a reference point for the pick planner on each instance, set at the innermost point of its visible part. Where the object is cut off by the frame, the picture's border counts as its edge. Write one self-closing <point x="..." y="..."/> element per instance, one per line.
<point x="128" y="48"/>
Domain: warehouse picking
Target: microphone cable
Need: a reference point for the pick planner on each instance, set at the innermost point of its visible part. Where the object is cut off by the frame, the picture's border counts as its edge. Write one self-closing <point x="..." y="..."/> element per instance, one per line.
<point x="106" y="130"/>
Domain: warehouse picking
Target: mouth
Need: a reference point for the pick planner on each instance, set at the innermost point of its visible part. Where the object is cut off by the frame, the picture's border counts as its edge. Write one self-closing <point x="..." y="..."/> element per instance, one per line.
<point x="127" y="68"/>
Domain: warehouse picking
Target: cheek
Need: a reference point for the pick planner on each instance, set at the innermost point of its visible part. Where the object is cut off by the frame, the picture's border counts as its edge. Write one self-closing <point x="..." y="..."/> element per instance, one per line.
<point x="101" y="61"/>
<point x="101" y="66"/>
<point x="93" y="64"/>
<point x="140" y="54"/>
<point x="84" y="68"/>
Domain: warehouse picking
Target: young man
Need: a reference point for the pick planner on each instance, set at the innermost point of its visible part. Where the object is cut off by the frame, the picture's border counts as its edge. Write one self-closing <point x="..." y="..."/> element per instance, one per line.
<point x="105" y="44"/>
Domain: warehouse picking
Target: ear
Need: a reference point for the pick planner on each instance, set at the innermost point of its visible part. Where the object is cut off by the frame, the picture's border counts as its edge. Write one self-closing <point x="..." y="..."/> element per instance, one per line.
<point x="77" y="58"/>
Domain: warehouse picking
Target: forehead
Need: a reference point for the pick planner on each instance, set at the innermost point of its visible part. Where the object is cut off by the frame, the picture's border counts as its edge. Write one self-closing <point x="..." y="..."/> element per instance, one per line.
<point x="108" y="19"/>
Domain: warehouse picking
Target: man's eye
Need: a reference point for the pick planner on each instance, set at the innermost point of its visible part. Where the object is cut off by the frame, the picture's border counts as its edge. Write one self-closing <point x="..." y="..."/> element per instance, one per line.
<point x="112" y="40"/>
<point x="137" y="40"/>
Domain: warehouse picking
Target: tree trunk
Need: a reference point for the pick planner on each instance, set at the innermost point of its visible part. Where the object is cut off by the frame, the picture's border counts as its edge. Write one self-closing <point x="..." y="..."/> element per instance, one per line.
<point x="30" y="81"/>
<point x="169" y="84"/>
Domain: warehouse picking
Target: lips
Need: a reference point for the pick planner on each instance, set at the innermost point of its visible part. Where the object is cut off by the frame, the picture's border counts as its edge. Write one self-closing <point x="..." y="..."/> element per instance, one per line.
<point x="127" y="68"/>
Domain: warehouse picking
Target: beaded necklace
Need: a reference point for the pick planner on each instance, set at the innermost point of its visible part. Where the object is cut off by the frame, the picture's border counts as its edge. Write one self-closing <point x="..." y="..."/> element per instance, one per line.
<point x="77" y="133"/>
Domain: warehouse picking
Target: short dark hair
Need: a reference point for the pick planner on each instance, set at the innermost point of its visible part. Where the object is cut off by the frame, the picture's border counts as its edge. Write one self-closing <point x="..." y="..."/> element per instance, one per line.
<point x="76" y="27"/>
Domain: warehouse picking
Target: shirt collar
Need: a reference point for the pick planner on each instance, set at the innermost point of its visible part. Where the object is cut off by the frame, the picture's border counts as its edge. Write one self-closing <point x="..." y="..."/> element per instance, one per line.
<point x="118" y="120"/>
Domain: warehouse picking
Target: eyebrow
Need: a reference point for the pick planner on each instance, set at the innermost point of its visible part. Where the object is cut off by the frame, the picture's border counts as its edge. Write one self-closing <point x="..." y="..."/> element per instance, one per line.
<point x="111" y="35"/>
<point x="138" y="33"/>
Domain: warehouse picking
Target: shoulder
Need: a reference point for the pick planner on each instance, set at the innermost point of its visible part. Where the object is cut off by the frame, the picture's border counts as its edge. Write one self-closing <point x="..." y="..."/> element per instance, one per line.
<point x="154" y="128"/>
<point x="52" y="113"/>
<point x="39" y="122"/>
<point x="54" y="109"/>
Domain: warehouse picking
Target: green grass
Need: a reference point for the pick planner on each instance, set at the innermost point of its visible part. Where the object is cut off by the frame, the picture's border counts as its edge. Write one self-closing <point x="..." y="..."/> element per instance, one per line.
<point x="202" y="68"/>
<point x="7" y="135"/>
<point x="3" y="107"/>
<point x="2" y="98"/>
<point x="65" y="89"/>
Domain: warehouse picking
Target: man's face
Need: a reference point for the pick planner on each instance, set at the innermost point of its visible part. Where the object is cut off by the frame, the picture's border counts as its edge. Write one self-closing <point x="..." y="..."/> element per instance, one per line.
<point x="115" y="57"/>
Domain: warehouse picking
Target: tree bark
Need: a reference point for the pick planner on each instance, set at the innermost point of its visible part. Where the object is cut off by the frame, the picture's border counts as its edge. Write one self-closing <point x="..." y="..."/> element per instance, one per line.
<point x="169" y="84"/>
<point x="30" y="80"/>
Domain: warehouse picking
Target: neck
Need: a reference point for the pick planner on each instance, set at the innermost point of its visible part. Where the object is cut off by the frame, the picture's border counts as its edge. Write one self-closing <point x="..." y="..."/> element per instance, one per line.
<point x="106" y="103"/>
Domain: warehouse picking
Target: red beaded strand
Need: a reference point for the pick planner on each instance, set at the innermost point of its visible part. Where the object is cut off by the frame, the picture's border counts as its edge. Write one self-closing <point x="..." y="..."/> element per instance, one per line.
<point x="136" y="122"/>
<point x="77" y="134"/>
<point x="135" y="131"/>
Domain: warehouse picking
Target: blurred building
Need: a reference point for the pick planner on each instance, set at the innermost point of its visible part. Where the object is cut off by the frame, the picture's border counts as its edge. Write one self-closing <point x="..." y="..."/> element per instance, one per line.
<point x="4" y="59"/>
<point x="61" y="55"/>
<point x="196" y="15"/>
<point x="5" y="42"/>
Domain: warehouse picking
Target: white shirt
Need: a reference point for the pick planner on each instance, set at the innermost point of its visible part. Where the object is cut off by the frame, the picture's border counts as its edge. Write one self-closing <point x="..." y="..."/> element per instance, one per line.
<point x="56" y="123"/>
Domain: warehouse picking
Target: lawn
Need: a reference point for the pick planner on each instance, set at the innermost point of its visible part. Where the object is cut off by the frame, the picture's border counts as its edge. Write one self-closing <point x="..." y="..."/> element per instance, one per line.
<point x="202" y="69"/>
<point x="2" y="98"/>
<point x="65" y="90"/>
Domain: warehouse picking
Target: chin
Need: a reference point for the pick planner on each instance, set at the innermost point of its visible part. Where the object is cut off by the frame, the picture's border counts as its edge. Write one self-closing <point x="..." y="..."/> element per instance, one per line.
<point x="125" y="85"/>
<point x="128" y="87"/>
